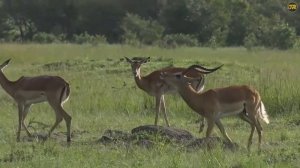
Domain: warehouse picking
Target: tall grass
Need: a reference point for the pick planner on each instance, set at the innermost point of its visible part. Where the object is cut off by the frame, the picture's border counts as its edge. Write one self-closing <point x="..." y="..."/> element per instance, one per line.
<point x="104" y="96"/>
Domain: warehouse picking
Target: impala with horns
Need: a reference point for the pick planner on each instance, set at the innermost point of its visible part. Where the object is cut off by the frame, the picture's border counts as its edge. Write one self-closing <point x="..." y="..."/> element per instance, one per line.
<point x="30" y="90"/>
<point x="155" y="86"/>
<point x="221" y="102"/>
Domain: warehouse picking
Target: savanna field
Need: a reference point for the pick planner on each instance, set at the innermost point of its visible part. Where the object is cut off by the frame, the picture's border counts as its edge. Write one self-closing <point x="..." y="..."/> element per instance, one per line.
<point x="105" y="96"/>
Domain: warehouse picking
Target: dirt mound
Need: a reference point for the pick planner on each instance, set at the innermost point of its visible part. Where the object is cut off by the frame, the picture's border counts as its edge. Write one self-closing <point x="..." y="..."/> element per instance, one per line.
<point x="148" y="135"/>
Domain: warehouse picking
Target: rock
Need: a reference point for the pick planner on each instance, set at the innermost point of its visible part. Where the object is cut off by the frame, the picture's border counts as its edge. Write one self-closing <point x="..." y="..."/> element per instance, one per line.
<point x="170" y="134"/>
<point x="114" y="136"/>
<point x="211" y="142"/>
<point x="204" y="142"/>
<point x="146" y="136"/>
<point x="145" y="143"/>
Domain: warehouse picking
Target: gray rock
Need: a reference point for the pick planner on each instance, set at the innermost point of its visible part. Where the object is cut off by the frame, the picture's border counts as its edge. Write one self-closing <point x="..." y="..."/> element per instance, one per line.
<point x="169" y="133"/>
<point x="147" y="135"/>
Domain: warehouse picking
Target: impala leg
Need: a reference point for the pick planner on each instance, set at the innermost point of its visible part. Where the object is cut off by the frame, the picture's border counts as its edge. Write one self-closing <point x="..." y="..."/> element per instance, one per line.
<point x="221" y="128"/>
<point x="25" y="112"/>
<point x="259" y="132"/>
<point x="157" y="108"/>
<point x="256" y="125"/>
<point x="201" y="120"/>
<point x="61" y="113"/>
<point x="20" y="108"/>
<point x="163" y="105"/>
<point x="59" y="118"/>
<point x="210" y="126"/>
<point x="244" y="117"/>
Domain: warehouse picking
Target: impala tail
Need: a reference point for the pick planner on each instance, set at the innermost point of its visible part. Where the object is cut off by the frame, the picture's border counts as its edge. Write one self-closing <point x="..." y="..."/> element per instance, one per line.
<point x="263" y="113"/>
<point x="65" y="94"/>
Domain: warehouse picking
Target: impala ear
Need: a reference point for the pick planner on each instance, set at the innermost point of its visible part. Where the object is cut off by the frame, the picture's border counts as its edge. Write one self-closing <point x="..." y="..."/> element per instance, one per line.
<point x="145" y="60"/>
<point x="4" y="64"/>
<point x="128" y="60"/>
<point x="148" y="59"/>
<point x="190" y="79"/>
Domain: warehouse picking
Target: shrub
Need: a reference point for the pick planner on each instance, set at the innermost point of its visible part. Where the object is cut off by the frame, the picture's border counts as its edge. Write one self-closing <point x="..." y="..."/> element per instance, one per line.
<point x="43" y="37"/>
<point x="131" y="39"/>
<point x="250" y="41"/>
<point x="297" y="43"/>
<point x="275" y="33"/>
<point x="212" y="43"/>
<point x="136" y="28"/>
<point x="283" y="36"/>
<point x="86" y="38"/>
<point x="174" y="40"/>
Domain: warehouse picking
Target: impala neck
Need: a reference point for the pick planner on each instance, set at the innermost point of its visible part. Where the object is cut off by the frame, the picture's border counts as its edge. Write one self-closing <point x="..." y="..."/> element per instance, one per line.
<point x="191" y="97"/>
<point x="6" y="84"/>
<point x="141" y="82"/>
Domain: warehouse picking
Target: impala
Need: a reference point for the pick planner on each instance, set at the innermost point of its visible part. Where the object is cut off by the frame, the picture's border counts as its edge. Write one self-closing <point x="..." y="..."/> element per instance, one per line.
<point x="221" y="102"/>
<point x="155" y="86"/>
<point x="30" y="90"/>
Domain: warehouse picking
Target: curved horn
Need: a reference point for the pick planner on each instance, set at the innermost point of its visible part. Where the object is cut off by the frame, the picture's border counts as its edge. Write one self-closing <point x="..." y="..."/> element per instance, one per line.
<point x="201" y="69"/>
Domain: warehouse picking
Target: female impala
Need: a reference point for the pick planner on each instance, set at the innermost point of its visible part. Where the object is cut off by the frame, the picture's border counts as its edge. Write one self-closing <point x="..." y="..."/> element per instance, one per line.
<point x="221" y="102"/>
<point x="155" y="86"/>
<point x="30" y="90"/>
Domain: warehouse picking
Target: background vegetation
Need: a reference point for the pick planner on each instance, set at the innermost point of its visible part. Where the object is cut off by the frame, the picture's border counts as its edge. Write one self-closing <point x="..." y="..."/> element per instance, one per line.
<point x="104" y="96"/>
<point x="165" y="23"/>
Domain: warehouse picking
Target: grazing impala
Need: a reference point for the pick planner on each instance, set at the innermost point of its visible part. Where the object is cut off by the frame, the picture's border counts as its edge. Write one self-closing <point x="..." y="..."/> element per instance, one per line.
<point x="221" y="102"/>
<point x="155" y="86"/>
<point x="30" y="90"/>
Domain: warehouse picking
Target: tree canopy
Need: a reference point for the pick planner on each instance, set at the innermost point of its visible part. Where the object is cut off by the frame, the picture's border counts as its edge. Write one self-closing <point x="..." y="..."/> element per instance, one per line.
<point x="224" y="23"/>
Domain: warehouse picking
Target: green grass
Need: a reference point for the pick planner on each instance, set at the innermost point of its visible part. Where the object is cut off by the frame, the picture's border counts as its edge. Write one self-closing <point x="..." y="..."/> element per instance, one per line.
<point x="104" y="96"/>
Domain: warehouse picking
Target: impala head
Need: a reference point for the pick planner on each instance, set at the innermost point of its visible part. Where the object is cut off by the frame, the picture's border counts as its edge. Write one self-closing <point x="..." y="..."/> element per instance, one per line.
<point x="179" y="79"/>
<point x="136" y="63"/>
<point x="4" y="64"/>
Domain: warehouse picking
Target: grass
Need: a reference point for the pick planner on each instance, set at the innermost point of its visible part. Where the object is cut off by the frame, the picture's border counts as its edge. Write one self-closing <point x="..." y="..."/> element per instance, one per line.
<point x="104" y="96"/>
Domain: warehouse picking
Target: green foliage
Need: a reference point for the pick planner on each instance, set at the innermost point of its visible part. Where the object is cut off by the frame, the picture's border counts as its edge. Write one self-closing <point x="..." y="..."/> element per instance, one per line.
<point x="282" y="36"/>
<point x="250" y="41"/>
<point x="225" y="23"/>
<point x="275" y="33"/>
<point x="90" y="39"/>
<point x="43" y="37"/>
<point x="297" y="43"/>
<point x="212" y="43"/>
<point x="175" y="40"/>
<point x="136" y="28"/>
<point x="8" y="30"/>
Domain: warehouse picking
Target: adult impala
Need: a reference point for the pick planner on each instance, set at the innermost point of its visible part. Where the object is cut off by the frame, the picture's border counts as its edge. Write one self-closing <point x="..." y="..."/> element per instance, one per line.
<point x="221" y="102"/>
<point x="30" y="90"/>
<point x="155" y="86"/>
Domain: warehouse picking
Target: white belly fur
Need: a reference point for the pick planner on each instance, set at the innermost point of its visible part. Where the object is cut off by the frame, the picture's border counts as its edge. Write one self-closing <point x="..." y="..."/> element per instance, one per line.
<point x="32" y="97"/>
<point x="231" y="109"/>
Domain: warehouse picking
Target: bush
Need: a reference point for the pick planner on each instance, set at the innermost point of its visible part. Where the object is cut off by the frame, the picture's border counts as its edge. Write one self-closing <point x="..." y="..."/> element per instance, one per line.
<point x="212" y="43"/>
<point x="90" y="39"/>
<point x="174" y="40"/>
<point x="131" y="39"/>
<point x="283" y="36"/>
<point x="250" y="41"/>
<point x="137" y="29"/>
<point x="297" y="43"/>
<point x="275" y="33"/>
<point x="43" y="37"/>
